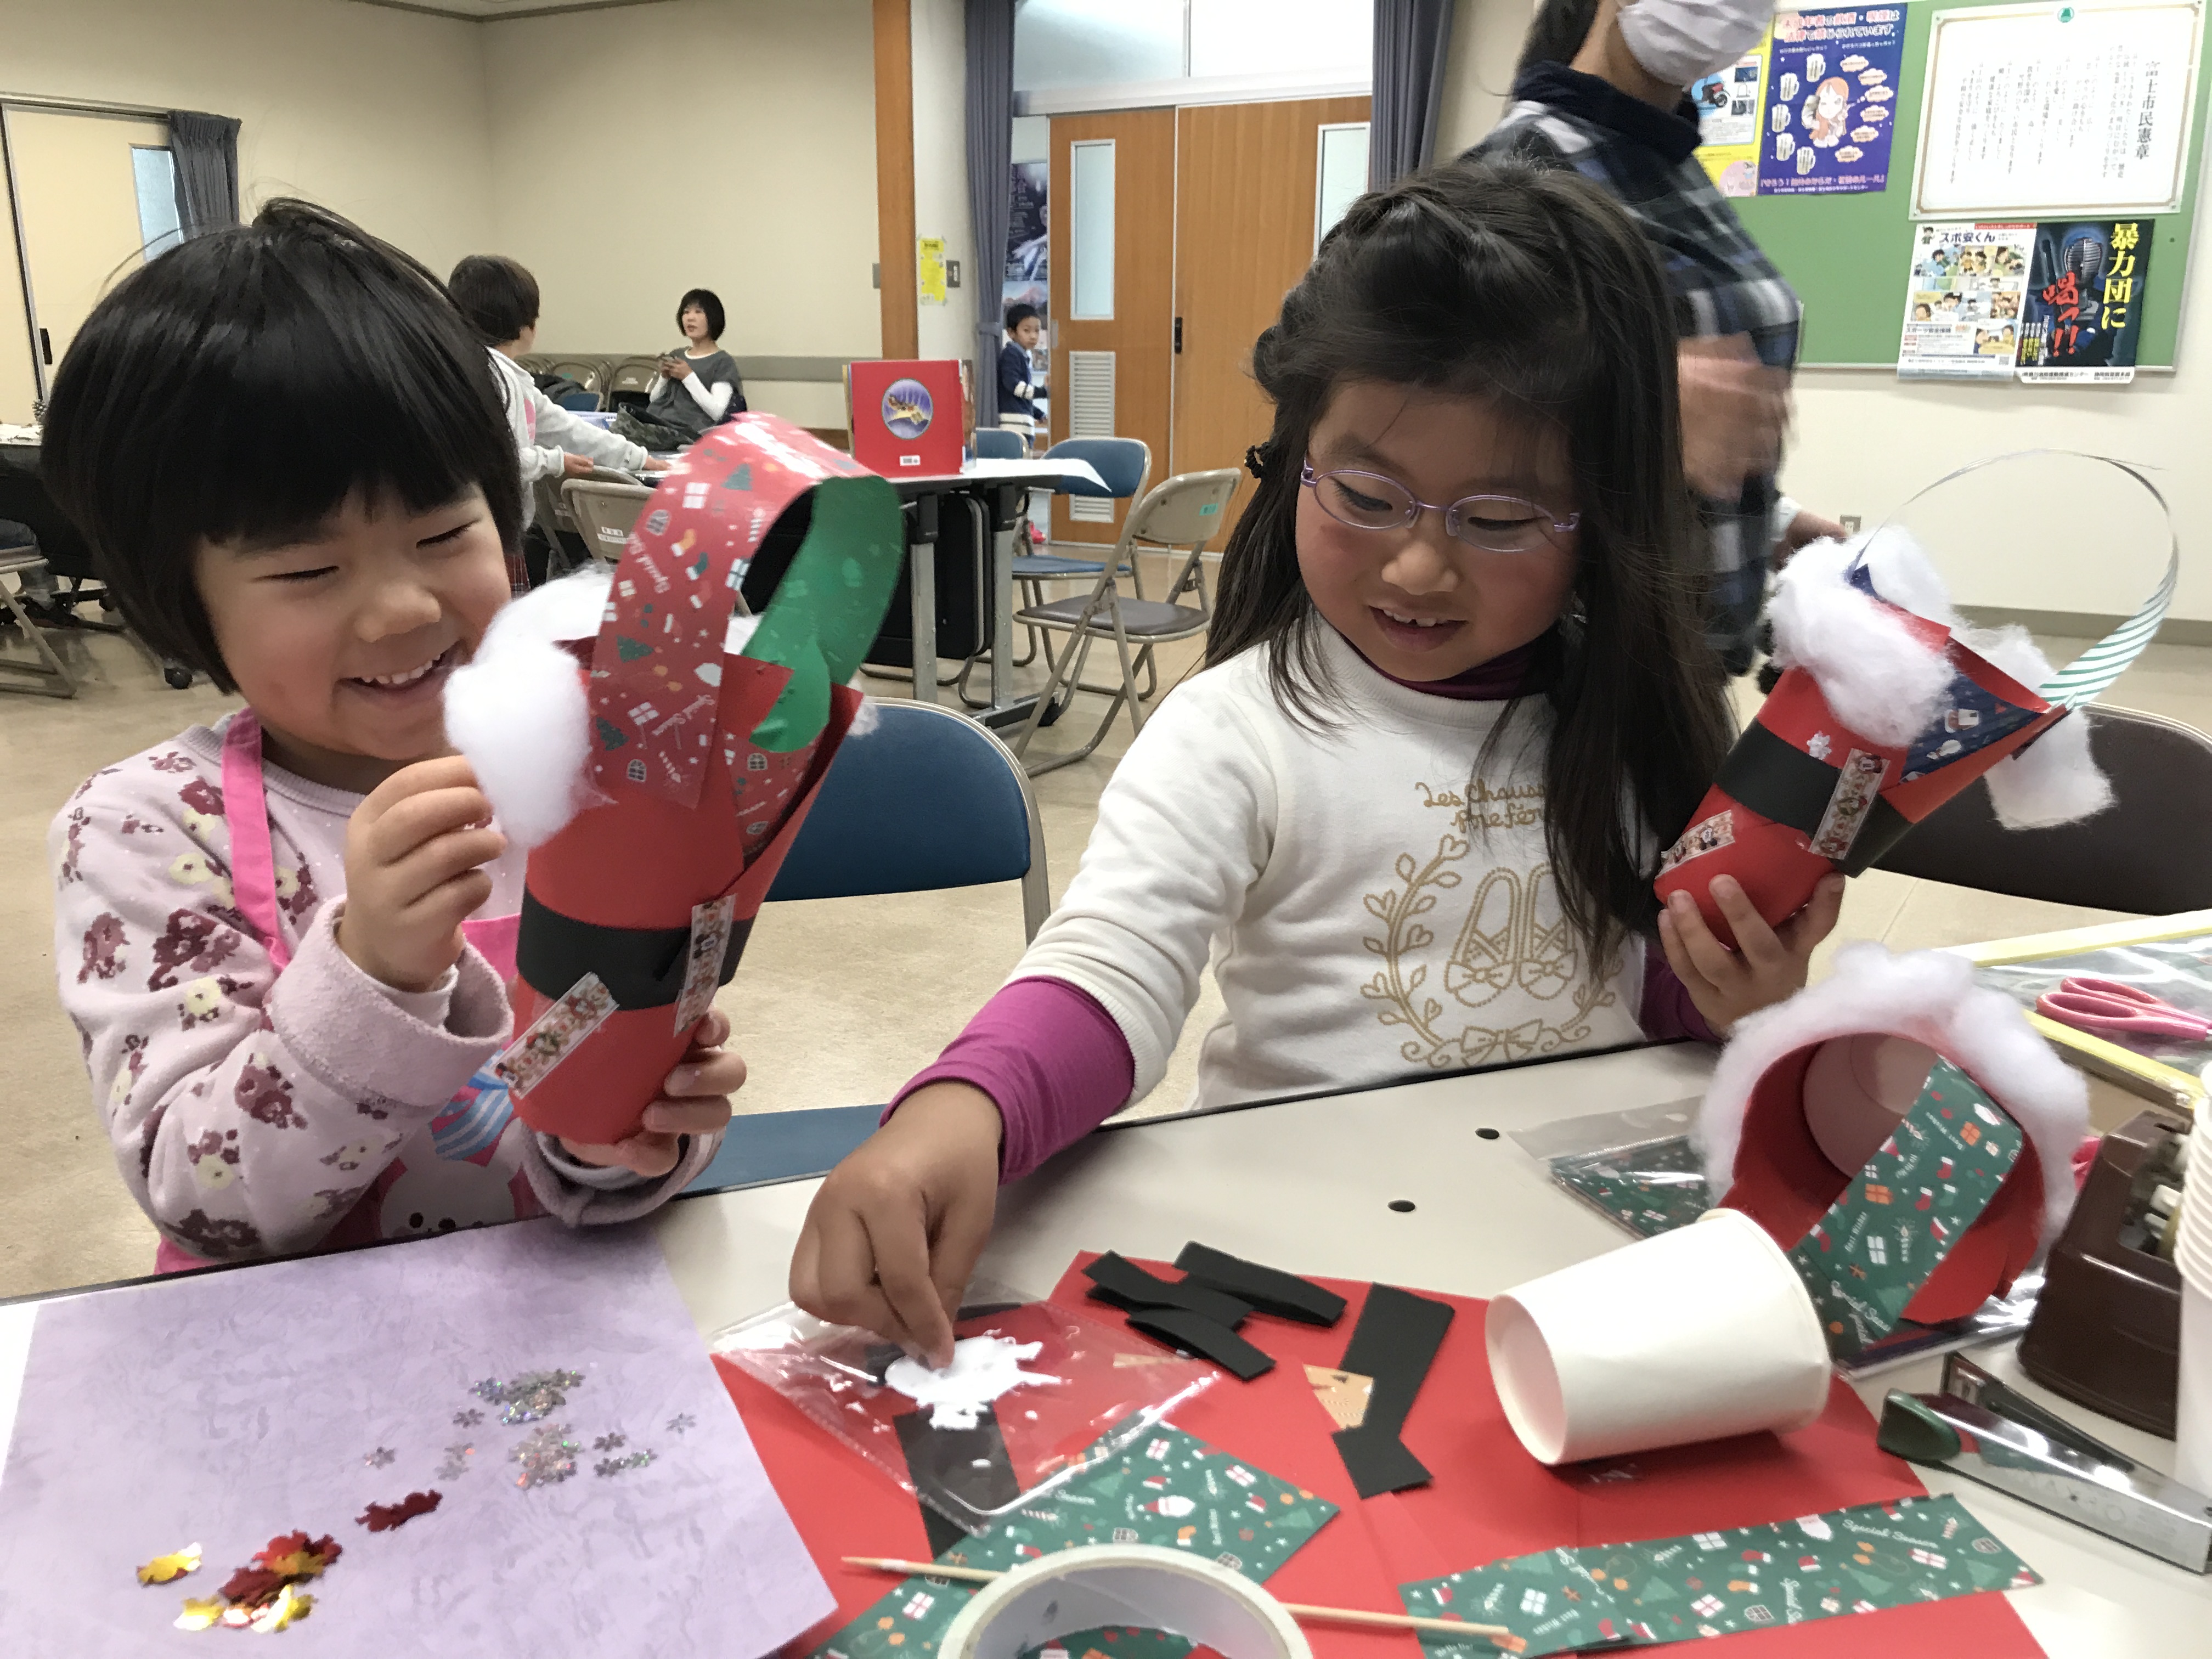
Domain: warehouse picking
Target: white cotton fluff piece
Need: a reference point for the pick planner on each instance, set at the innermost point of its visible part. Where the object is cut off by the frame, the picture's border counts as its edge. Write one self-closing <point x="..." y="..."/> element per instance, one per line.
<point x="519" y="710"/>
<point x="1881" y="681"/>
<point x="2054" y="780"/>
<point x="1905" y="575"/>
<point x="983" y="1368"/>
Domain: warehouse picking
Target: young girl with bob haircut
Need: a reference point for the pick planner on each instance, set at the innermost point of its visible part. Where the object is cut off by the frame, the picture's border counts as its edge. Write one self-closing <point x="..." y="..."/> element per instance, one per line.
<point x="283" y="939"/>
<point x="1456" y="699"/>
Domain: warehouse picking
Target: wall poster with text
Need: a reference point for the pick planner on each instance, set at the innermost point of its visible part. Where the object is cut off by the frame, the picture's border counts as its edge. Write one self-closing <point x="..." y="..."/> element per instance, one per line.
<point x="2087" y="285"/>
<point x="1830" y="101"/>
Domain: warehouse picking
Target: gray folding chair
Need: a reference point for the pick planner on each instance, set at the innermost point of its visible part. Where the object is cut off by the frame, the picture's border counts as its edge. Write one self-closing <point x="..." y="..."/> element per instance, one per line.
<point x="1185" y="510"/>
<point x="604" y="513"/>
<point x="628" y="378"/>
<point x="20" y="557"/>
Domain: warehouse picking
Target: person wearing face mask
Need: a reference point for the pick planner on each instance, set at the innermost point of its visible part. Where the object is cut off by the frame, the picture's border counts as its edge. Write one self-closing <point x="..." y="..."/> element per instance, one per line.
<point x="1601" y="89"/>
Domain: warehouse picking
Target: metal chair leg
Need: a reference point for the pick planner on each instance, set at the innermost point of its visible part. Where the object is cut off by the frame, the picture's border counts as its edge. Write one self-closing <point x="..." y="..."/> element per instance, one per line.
<point x="49" y="677"/>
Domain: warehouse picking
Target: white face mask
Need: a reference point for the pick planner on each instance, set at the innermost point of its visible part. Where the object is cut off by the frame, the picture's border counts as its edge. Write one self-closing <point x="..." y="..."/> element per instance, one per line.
<point x="1680" y="41"/>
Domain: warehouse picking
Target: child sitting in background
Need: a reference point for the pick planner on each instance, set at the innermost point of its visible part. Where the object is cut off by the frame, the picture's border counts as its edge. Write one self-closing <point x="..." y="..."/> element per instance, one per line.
<point x="1024" y="328"/>
<point x="1456" y="701"/>
<point x="499" y="298"/>
<point x="283" y="940"/>
<point x="698" y="385"/>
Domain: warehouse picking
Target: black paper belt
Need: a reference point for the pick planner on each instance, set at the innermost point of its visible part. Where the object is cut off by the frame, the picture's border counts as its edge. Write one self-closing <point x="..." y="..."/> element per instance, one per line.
<point x="1779" y="780"/>
<point x="641" y="966"/>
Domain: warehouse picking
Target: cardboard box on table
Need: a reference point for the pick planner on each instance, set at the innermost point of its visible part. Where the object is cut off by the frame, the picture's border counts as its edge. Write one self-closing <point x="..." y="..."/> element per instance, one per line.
<point x="1489" y="1500"/>
<point x="908" y="418"/>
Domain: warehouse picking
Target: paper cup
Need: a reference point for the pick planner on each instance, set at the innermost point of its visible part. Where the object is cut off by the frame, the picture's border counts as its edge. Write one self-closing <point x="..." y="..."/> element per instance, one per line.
<point x="2192" y="1404"/>
<point x="1695" y="1334"/>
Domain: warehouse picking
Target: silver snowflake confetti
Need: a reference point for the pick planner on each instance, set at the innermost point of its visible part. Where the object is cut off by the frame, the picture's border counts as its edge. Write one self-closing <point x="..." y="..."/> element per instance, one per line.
<point x="532" y="1396"/>
<point x="636" y="1459"/>
<point x="608" y="1443"/>
<point x="382" y="1457"/>
<point x="681" y="1421"/>
<point x="457" y="1462"/>
<point x="467" y="1420"/>
<point x="547" y="1454"/>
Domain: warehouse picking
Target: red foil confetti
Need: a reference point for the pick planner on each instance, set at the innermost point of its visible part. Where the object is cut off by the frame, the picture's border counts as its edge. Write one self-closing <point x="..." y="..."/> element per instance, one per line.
<point x="383" y="1517"/>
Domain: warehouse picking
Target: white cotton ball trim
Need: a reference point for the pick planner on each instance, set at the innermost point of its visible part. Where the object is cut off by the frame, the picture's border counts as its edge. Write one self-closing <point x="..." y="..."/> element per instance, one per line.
<point x="983" y="1368"/>
<point x="1881" y="681"/>
<point x="2054" y="780"/>
<point x="1905" y="575"/>
<point x="1930" y="997"/>
<point x="519" y="710"/>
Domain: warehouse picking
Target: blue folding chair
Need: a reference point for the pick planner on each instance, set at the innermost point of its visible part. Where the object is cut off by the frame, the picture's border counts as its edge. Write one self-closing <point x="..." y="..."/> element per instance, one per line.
<point x="1125" y="464"/>
<point x="929" y="800"/>
<point x="999" y="443"/>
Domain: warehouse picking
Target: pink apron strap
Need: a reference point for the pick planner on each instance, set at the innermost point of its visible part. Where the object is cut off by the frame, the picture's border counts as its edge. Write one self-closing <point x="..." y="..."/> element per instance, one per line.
<point x="494" y="938"/>
<point x="246" y="813"/>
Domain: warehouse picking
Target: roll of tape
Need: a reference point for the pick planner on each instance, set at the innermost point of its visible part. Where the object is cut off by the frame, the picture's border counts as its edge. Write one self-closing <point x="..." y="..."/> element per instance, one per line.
<point x="1117" y="1585"/>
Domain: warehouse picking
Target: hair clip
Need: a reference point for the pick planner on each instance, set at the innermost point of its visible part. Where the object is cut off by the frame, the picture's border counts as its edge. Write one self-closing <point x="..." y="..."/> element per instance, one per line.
<point x="1259" y="458"/>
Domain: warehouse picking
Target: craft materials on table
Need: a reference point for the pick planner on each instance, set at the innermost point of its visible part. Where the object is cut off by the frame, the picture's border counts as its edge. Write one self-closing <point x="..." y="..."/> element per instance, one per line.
<point x="1977" y="1427"/>
<point x="687" y="756"/>
<point x="1034" y="1394"/>
<point x="398" y="1443"/>
<point x="1392" y="1348"/>
<point x="1201" y="1313"/>
<point x="1847" y="1562"/>
<point x="1488" y="1502"/>
<point x="2111" y="1007"/>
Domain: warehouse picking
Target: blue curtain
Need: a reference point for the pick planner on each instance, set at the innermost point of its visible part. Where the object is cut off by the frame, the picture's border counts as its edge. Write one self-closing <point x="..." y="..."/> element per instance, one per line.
<point x="990" y="183"/>
<point x="1412" y="38"/>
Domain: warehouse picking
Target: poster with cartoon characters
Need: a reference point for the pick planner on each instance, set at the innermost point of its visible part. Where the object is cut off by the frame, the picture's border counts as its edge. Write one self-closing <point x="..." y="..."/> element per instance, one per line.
<point x="2087" y="285"/>
<point x="1728" y="104"/>
<point x="1830" y="101"/>
<point x="1964" y="301"/>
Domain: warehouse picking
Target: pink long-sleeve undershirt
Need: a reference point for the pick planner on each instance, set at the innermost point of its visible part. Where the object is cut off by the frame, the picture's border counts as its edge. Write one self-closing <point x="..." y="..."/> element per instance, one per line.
<point x="1056" y="1064"/>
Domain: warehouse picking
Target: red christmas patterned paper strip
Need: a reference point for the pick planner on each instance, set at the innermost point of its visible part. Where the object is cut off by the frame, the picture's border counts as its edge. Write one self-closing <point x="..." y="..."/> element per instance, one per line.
<point x="656" y="667"/>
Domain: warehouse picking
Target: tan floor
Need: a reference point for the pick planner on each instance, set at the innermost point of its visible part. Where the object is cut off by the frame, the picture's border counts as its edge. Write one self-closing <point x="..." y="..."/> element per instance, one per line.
<point x="837" y="1001"/>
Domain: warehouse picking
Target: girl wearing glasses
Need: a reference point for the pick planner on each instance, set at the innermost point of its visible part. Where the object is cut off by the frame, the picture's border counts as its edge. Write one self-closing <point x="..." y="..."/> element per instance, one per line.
<point x="1456" y="699"/>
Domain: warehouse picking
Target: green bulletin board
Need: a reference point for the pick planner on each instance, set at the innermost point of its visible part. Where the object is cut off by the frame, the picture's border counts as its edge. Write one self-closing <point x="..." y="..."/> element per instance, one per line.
<point x="1848" y="255"/>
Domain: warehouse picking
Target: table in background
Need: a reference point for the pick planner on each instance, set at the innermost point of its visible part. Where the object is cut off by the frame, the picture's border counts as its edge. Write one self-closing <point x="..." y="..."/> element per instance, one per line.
<point x="992" y="492"/>
<point x="1307" y="1184"/>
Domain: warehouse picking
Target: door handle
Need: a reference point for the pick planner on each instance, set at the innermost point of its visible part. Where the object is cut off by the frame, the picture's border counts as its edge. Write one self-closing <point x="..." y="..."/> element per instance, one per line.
<point x="46" y="347"/>
<point x="1178" y="337"/>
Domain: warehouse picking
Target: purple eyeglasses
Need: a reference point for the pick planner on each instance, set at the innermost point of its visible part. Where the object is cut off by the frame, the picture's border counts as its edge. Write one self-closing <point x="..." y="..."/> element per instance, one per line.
<point x="1497" y="524"/>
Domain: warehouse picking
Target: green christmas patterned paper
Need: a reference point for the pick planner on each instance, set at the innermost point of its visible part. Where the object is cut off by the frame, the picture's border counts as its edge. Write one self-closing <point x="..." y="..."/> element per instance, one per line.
<point x="1649" y="1189"/>
<point x="1880" y="1242"/>
<point x="1848" y="1561"/>
<point x="1165" y="1488"/>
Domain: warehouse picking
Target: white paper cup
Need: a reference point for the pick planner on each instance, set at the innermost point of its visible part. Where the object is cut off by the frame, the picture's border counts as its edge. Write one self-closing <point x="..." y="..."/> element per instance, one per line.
<point x="2192" y="1405"/>
<point x="1695" y="1334"/>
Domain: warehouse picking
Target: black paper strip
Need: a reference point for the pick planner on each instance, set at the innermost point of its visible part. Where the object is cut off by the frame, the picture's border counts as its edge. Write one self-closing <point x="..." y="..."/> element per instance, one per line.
<point x="1268" y="1289"/>
<point x="1394" y="1343"/>
<point x="962" y="1471"/>
<point x="1120" y="1282"/>
<point x="1777" y="779"/>
<point x="1196" y="1334"/>
<point x="641" y="966"/>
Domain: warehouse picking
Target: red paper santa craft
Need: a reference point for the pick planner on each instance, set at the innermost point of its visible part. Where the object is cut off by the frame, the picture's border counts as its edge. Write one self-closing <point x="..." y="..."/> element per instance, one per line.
<point x="660" y="788"/>
<point x="1887" y="706"/>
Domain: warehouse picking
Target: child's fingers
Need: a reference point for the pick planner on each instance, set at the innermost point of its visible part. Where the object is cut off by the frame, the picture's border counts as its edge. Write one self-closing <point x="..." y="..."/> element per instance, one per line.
<point x="900" y="1242"/>
<point x="710" y="1071"/>
<point x="446" y="772"/>
<point x="693" y="1114"/>
<point x="1754" y="940"/>
<point x="645" y="1153"/>
<point x="1817" y="919"/>
<point x="833" y="1276"/>
<point x="1715" y="962"/>
<point x="421" y="819"/>
<point x="712" y="1031"/>
<point x="418" y="879"/>
<point x="1670" y="945"/>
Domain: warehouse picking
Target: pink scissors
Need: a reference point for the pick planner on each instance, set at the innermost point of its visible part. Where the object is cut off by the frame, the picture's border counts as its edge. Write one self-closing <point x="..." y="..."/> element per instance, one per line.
<point x="2108" y="1007"/>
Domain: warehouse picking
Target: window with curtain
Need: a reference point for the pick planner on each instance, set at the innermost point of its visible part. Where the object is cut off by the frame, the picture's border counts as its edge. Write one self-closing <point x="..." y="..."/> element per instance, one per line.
<point x="154" y="168"/>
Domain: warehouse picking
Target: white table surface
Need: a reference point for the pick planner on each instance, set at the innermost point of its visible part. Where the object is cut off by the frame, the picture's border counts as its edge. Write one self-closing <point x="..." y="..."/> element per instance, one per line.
<point x="1307" y="1186"/>
<point x="1039" y="471"/>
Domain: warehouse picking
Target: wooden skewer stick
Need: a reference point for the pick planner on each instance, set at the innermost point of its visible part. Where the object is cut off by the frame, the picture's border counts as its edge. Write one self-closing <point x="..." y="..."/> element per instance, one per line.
<point x="1497" y="1633"/>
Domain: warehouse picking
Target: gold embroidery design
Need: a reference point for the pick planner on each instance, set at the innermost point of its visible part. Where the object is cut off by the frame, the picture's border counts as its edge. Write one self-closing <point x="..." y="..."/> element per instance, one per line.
<point x="1514" y="938"/>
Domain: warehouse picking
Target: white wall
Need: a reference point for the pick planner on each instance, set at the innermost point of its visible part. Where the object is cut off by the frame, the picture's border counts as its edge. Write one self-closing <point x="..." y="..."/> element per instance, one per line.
<point x="2032" y="536"/>
<point x="940" y="174"/>
<point x="378" y="113"/>
<point x="642" y="150"/>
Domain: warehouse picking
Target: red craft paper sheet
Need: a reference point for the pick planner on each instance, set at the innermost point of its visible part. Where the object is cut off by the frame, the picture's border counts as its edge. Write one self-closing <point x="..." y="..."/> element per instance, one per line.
<point x="1490" y="1499"/>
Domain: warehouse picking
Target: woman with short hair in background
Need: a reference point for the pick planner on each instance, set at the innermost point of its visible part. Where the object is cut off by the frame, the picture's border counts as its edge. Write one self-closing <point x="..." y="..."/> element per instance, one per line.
<point x="697" y="386"/>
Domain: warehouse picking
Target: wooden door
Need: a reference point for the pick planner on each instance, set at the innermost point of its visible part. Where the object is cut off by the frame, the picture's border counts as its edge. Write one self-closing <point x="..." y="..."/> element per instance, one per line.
<point x="1246" y="199"/>
<point x="1113" y="344"/>
<point x="77" y="205"/>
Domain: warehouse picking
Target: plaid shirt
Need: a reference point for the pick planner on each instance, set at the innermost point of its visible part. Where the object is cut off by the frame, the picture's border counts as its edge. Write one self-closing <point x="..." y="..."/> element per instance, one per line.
<point x="1644" y="159"/>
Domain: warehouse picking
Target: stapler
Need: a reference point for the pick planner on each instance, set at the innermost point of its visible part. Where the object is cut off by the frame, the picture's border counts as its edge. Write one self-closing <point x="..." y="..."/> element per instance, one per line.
<point x="1979" y="1428"/>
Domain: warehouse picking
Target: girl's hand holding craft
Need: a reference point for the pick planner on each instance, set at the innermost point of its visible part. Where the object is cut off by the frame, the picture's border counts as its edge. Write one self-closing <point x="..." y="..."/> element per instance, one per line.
<point x="696" y="1102"/>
